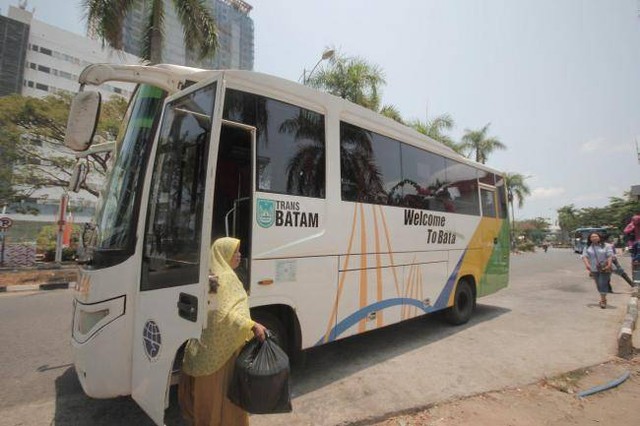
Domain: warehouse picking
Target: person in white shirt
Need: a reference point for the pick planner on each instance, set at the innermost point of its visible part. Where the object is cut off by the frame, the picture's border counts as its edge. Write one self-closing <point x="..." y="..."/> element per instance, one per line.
<point x="597" y="257"/>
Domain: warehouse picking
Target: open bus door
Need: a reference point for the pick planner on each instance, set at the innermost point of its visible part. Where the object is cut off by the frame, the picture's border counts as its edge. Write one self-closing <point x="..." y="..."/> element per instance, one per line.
<point x="171" y="305"/>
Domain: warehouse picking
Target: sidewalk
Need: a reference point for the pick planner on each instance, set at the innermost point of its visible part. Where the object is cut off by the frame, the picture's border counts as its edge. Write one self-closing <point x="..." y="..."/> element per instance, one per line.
<point x="41" y="277"/>
<point x="550" y="401"/>
<point x="604" y="394"/>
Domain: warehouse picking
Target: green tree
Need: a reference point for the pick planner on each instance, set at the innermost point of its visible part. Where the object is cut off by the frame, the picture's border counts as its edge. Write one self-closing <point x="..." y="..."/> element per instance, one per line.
<point x="106" y="18"/>
<point x="32" y="133"/>
<point x="595" y="216"/>
<point x="435" y="128"/>
<point x="7" y="158"/>
<point x="517" y="188"/>
<point x="534" y="230"/>
<point x="476" y="142"/>
<point x="46" y="242"/>
<point x="615" y="215"/>
<point x="567" y="218"/>
<point x="391" y="111"/>
<point x="623" y="209"/>
<point x="350" y="78"/>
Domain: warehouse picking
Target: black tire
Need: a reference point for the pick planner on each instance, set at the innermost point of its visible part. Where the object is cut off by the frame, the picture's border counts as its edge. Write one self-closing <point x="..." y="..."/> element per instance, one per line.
<point x="274" y="325"/>
<point x="463" y="304"/>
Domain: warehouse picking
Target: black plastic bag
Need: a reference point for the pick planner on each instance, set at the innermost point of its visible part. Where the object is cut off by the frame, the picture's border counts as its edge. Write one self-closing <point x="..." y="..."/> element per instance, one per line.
<point x="260" y="381"/>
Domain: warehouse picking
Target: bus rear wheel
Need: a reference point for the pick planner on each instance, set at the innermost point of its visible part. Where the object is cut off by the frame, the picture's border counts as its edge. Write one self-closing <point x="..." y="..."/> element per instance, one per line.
<point x="463" y="304"/>
<point x="274" y="325"/>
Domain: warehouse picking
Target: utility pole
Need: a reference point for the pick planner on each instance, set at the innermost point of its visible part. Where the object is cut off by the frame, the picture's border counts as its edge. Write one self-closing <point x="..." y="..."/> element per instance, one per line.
<point x="62" y="214"/>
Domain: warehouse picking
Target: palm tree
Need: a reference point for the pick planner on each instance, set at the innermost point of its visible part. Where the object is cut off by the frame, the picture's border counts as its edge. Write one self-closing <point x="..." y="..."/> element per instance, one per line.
<point x="568" y="218"/>
<point x="350" y="78"/>
<point x="105" y="18"/>
<point x="391" y="111"/>
<point x="516" y="188"/>
<point x="435" y="128"/>
<point x="478" y="142"/>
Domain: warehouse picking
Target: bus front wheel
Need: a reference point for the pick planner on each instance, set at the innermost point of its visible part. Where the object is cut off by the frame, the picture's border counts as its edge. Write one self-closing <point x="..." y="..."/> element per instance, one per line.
<point x="274" y="325"/>
<point x="463" y="304"/>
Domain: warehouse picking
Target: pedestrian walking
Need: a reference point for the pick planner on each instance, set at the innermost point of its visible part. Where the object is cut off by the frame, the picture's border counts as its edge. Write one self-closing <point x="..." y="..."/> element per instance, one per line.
<point x="597" y="257"/>
<point x="632" y="231"/>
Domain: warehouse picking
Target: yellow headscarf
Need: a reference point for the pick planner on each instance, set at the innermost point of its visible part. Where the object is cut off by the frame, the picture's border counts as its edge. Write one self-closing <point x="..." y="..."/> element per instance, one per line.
<point x="229" y="326"/>
<point x="222" y="252"/>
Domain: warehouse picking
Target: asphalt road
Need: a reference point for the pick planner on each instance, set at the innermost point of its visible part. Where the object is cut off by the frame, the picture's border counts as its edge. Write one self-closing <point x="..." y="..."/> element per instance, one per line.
<point x="545" y="323"/>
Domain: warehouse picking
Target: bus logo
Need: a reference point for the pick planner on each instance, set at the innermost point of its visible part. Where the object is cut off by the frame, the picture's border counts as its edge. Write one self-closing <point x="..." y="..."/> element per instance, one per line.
<point x="265" y="213"/>
<point x="151" y="339"/>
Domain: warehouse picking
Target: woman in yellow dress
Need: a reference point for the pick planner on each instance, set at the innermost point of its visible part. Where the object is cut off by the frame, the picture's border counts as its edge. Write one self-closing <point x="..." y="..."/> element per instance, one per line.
<point x="208" y="362"/>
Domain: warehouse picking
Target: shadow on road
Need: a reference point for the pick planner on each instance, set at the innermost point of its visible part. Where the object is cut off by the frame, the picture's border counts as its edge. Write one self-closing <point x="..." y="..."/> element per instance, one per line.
<point x="324" y="365"/>
<point x="337" y="360"/>
<point x="73" y="407"/>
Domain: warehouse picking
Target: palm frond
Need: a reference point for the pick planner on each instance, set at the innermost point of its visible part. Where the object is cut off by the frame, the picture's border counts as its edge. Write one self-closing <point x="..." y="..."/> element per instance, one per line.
<point x="392" y="112"/>
<point x="199" y="27"/>
<point x="105" y="18"/>
<point x="351" y="78"/>
<point x="517" y="187"/>
<point x="476" y="141"/>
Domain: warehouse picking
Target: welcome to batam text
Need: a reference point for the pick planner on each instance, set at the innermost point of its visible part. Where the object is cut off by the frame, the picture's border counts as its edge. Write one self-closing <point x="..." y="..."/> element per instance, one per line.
<point x="433" y="221"/>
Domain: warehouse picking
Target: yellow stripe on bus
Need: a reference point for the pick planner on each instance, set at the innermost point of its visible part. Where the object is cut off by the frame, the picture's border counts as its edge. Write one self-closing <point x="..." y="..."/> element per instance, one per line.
<point x="477" y="257"/>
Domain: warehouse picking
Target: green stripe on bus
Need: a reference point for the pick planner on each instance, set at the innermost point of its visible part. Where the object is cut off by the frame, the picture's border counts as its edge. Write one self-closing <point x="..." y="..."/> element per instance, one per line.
<point x="496" y="274"/>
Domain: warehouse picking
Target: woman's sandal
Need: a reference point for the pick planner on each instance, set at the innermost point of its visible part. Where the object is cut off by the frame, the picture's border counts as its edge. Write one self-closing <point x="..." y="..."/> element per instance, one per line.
<point x="603" y="304"/>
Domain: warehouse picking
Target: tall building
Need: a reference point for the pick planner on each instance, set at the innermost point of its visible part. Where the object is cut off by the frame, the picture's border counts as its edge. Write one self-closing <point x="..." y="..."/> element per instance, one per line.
<point x="235" y="35"/>
<point x="44" y="59"/>
<point x="14" y="36"/>
<point x="38" y="59"/>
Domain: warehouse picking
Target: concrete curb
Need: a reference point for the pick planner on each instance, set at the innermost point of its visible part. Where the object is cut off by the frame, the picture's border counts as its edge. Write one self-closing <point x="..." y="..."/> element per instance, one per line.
<point x="37" y="287"/>
<point x="625" y="343"/>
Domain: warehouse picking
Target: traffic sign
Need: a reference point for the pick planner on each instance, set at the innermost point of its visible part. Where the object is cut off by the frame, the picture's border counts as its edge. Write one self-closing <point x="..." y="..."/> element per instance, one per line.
<point x="5" y="222"/>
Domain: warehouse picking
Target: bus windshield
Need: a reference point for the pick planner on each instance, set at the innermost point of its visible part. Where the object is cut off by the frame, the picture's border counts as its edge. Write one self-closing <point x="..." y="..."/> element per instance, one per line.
<point x="115" y="216"/>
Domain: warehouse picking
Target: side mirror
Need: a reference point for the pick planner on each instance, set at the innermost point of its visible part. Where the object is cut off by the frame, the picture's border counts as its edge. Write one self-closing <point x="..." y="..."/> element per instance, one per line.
<point x="83" y="120"/>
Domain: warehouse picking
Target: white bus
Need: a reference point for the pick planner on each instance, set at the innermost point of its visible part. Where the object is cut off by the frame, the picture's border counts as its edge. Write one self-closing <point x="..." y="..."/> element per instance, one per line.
<point x="349" y="221"/>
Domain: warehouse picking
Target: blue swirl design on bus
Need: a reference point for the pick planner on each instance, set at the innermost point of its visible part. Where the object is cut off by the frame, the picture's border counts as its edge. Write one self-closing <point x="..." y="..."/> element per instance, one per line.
<point x="361" y="314"/>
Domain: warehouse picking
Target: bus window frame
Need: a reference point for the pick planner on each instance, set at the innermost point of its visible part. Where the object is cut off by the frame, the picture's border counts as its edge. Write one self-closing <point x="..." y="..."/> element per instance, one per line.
<point x="494" y="192"/>
<point x="212" y="154"/>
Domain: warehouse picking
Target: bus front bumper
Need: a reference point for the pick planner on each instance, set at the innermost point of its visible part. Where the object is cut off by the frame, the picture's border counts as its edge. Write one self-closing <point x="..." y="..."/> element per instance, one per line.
<point x="102" y="349"/>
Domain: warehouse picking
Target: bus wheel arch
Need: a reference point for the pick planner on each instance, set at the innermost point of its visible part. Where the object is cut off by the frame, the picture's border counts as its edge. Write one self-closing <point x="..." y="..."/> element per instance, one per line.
<point x="464" y="301"/>
<point x="282" y="320"/>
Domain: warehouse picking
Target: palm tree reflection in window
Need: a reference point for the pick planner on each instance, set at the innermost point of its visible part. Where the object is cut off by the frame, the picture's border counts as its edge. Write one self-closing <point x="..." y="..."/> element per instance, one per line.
<point x="408" y="193"/>
<point x="360" y="177"/>
<point x="306" y="168"/>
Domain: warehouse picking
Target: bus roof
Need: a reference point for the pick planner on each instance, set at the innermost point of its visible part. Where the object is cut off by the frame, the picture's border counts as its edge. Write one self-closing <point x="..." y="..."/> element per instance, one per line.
<point x="174" y="78"/>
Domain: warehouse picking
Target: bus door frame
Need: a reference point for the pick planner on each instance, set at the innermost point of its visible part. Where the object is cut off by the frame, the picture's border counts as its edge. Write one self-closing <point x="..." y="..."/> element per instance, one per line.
<point x="151" y="376"/>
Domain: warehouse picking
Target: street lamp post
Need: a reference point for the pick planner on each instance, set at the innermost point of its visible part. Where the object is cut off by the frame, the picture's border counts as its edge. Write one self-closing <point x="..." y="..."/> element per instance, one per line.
<point x="327" y="54"/>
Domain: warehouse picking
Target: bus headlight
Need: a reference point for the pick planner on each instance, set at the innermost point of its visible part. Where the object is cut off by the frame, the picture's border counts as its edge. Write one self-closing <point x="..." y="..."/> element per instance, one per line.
<point x="89" y="318"/>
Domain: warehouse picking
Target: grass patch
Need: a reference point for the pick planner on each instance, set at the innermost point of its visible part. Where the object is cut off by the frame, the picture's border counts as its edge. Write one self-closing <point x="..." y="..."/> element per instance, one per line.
<point x="566" y="382"/>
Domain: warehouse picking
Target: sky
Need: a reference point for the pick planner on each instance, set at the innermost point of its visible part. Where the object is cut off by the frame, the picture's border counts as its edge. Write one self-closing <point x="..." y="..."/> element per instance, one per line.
<point x="559" y="81"/>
